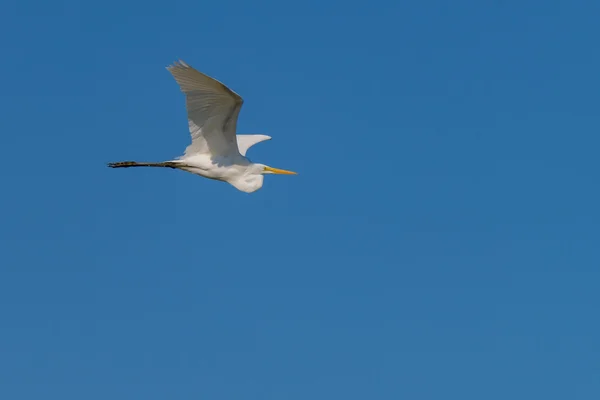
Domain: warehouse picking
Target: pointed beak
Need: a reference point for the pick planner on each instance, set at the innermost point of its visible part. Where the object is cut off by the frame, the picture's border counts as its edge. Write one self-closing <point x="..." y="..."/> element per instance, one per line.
<point x="278" y="171"/>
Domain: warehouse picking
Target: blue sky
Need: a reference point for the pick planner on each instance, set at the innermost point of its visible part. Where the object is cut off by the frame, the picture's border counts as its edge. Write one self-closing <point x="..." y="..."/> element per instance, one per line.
<point x="440" y="240"/>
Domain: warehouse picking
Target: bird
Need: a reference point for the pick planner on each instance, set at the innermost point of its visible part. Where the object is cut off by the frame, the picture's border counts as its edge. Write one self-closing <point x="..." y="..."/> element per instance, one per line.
<point x="216" y="151"/>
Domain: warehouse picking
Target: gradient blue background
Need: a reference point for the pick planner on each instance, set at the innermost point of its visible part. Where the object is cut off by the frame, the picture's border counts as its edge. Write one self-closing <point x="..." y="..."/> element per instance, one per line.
<point x="440" y="240"/>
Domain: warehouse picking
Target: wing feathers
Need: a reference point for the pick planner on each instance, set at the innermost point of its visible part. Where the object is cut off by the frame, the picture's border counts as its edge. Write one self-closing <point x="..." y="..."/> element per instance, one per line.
<point x="212" y="110"/>
<point x="247" y="141"/>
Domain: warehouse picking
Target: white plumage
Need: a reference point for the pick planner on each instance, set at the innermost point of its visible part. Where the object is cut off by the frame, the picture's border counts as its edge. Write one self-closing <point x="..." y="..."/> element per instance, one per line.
<point x="216" y="152"/>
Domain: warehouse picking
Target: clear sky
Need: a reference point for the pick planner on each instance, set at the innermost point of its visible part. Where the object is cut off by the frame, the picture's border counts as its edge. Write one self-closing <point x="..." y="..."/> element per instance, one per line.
<point x="440" y="241"/>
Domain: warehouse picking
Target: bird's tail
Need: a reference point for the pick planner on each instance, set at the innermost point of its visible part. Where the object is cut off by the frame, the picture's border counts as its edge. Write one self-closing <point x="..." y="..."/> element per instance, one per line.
<point x="127" y="164"/>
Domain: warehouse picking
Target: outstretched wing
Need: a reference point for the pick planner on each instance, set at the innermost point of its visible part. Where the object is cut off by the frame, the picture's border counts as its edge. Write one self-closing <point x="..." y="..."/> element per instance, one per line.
<point x="246" y="141"/>
<point x="212" y="110"/>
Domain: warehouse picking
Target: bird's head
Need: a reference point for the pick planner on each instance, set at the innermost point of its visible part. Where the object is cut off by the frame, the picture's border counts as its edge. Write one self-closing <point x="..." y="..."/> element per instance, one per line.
<point x="252" y="179"/>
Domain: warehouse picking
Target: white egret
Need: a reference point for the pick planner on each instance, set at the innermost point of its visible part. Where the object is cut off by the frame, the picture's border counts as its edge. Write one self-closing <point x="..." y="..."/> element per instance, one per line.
<point x="216" y="152"/>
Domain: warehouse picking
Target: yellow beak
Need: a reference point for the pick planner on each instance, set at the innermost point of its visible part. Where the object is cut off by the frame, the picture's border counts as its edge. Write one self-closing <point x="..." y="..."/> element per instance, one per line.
<point x="279" y="171"/>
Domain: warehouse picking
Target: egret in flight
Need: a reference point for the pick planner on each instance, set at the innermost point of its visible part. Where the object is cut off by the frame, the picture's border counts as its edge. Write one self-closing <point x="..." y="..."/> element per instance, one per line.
<point x="216" y="152"/>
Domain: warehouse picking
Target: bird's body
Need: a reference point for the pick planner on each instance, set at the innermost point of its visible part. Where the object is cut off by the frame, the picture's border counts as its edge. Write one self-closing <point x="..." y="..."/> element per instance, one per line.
<point x="236" y="170"/>
<point x="216" y="152"/>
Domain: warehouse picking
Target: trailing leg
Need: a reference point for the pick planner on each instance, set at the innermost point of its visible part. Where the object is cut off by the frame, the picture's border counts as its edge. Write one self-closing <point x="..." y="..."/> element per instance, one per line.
<point x="127" y="164"/>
